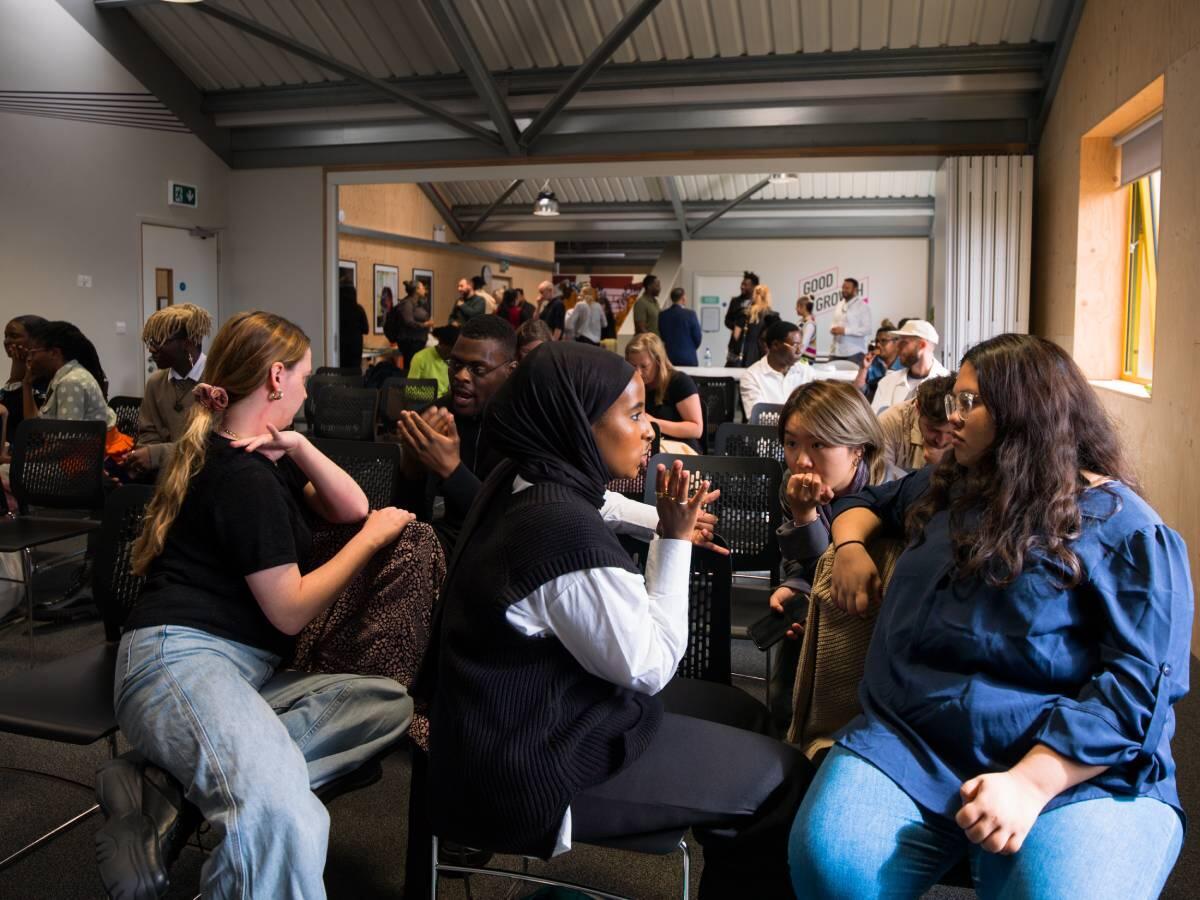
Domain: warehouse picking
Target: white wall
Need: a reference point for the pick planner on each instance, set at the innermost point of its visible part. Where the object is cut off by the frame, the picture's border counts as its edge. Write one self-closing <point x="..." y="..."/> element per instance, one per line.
<point x="894" y="271"/>
<point x="276" y="246"/>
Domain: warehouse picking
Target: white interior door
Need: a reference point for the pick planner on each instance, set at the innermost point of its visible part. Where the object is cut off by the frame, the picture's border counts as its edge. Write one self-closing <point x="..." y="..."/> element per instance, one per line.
<point x="710" y="298"/>
<point x="178" y="268"/>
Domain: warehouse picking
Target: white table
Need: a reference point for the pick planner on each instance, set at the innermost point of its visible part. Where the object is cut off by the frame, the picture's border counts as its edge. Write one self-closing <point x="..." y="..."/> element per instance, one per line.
<point x="820" y="372"/>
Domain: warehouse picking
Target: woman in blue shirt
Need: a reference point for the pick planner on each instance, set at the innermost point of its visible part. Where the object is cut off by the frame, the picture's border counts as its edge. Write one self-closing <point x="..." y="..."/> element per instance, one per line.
<point x="1018" y="689"/>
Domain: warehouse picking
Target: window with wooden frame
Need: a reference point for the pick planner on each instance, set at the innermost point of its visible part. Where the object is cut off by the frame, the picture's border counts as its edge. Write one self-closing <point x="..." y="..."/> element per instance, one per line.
<point x="1141" y="279"/>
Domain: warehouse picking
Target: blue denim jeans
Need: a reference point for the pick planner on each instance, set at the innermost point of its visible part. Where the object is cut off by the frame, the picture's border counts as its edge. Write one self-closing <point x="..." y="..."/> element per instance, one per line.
<point x="248" y="744"/>
<point x="857" y="834"/>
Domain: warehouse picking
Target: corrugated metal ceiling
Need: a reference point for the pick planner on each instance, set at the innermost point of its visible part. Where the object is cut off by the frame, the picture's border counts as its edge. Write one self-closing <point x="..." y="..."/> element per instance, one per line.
<point x="700" y="188"/>
<point x="389" y="38"/>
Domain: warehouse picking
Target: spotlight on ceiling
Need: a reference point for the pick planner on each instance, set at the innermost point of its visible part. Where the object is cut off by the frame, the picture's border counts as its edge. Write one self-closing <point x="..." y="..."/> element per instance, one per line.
<point x="546" y="203"/>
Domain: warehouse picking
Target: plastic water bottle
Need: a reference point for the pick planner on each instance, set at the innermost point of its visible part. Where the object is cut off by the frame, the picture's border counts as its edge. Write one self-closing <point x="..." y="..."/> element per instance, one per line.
<point x="708" y="357"/>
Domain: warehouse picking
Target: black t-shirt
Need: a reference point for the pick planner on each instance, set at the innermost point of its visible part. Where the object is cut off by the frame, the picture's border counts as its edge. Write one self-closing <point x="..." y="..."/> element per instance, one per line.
<point x="679" y="389"/>
<point x="242" y="514"/>
<point x="555" y="314"/>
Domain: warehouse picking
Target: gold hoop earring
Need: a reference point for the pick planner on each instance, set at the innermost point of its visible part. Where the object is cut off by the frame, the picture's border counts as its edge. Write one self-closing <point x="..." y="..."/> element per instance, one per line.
<point x="275" y="395"/>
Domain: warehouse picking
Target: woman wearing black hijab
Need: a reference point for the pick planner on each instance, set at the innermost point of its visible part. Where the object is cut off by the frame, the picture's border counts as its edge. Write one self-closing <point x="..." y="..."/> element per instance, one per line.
<point x="551" y="651"/>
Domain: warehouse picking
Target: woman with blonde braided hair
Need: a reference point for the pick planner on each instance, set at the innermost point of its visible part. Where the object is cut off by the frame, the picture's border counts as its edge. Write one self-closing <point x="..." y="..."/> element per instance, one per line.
<point x="174" y="338"/>
<point x="198" y="687"/>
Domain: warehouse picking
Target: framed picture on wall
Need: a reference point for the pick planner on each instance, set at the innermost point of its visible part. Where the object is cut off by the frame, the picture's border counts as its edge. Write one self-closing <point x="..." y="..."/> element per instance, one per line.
<point x="425" y="276"/>
<point x="387" y="285"/>
<point x="348" y="272"/>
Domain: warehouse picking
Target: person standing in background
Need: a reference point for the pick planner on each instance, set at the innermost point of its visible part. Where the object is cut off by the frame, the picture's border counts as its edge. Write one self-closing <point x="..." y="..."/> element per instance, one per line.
<point x="352" y="324"/>
<point x="808" y="328"/>
<point x="645" y="310"/>
<point x="470" y="303"/>
<point x="735" y="318"/>
<point x="407" y="325"/>
<point x="759" y="318"/>
<point x="552" y="310"/>
<point x="851" y="324"/>
<point x="515" y="308"/>
<point x="680" y="330"/>
<point x="587" y="317"/>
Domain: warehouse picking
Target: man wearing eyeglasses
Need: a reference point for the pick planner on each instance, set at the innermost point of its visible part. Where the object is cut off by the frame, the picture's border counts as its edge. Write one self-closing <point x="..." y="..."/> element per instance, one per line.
<point x="917" y="343"/>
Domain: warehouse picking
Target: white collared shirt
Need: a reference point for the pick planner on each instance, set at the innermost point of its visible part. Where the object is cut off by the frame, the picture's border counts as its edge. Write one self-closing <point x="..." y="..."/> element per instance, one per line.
<point x="897" y="386"/>
<point x="762" y="384"/>
<point x="855" y="317"/>
<point x="195" y="373"/>
<point x="630" y="631"/>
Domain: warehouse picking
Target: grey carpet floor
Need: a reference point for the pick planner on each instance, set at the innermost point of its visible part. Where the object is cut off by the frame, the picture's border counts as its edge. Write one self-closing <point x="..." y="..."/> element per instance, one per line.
<point x="368" y="833"/>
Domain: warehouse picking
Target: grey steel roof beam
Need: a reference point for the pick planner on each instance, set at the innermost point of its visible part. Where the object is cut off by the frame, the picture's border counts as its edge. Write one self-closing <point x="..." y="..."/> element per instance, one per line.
<point x="580" y="77"/>
<point x="671" y="190"/>
<point x="740" y="198"/>
<point x="454" y="32"/>
<point x="118" y="33"/>
<point x="796" y="67"/>
<point x="1058" y="62"/>
<point x="435" y="197"/>
<point x="704" y="207"/>
<point x="325" y="61"/>
<point x="492" y="207"/>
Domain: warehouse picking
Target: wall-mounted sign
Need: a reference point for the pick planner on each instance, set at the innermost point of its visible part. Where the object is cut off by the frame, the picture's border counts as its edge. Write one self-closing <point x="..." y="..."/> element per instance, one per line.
<point x="180" y="194"/>
<point x="825" y="287"/>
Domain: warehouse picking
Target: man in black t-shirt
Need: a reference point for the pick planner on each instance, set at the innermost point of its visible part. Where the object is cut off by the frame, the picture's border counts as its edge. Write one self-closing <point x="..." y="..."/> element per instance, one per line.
<point x="551" y="310"/>
<point x="737" y="318"/>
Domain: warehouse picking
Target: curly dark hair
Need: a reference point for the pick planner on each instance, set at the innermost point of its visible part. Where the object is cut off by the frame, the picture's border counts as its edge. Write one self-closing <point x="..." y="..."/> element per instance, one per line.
<point x="1022" y="498"/>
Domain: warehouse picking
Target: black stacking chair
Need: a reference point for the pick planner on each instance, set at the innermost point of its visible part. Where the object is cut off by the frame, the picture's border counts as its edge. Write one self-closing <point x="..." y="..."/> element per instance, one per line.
<point x="718" y="398"/>
<point x="766" y="414"/>
<point x="70" y="700"/>
<point x="400" y="394"/>
<point x="345" y="413"/>
<point x="734" y="439"/>
<point x="635" y="488"/>
<point x="709" y="630"/>
<point x="344" y="371"/>
<point x="126" y="409"/>
<point x="374" y="466"/>
<point x="318" y="383"/>
<point x="57" y="464"/>
<point x="748" y="509"/>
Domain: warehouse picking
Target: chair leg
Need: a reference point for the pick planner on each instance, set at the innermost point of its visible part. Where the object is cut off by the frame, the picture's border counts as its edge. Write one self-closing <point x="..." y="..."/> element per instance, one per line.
<point x="433" y="868"/>
<point x="687" y="868"/>
<point x="27" y="571"/>
<point x="47" y="837"/>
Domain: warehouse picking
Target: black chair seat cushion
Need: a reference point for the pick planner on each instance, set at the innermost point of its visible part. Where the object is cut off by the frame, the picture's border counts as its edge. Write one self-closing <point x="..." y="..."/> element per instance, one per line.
<point x="33" y="531"/>
<point x="659" y="843"/>
<point x="68" y="700"/>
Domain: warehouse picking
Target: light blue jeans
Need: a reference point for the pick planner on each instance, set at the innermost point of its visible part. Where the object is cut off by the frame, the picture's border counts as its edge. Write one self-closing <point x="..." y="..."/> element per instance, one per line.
<point x="248" y="744"/>
<point x="858" y="835"/>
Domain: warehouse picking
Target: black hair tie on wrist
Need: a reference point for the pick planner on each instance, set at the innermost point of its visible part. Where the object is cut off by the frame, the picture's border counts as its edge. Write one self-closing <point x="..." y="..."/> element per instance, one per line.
<point x="838" y="547"/>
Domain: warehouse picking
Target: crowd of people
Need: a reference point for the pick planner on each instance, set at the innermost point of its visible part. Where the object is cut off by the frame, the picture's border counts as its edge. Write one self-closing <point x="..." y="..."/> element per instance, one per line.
<point x="1018" y="689"/>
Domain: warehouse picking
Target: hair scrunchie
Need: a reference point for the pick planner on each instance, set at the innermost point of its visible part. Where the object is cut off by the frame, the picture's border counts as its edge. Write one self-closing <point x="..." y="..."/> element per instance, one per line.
<point x="214" y="399"/>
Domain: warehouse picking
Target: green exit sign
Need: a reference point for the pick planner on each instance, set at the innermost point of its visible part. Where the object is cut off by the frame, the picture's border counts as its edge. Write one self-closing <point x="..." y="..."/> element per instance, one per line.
<point x="180" y="194"/>
<point x="715" y="300"/>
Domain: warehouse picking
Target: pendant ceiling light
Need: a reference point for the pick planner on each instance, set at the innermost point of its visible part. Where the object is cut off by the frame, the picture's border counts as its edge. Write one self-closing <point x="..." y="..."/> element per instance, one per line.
<point x="546" y="203"/>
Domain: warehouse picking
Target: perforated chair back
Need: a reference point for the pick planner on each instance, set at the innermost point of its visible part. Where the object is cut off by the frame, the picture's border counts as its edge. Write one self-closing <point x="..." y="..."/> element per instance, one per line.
<point x="318" y="383"/>
<point x="748" y="510"/>
<point x="718" y="399"/>
<point x="126" y="410"/>
<point x="345" y="413"/>
<point x="708" y="648"/>
<point x="400" y="394"/>
<point x="735" y="439"/>
<point x="345" y="371"/>
<point x="766" y="414"/>
<point x="635" y="488"/>
<point x="375" y="467"/>
<point x="58" y="463"/>
<point x="114" y="586"/>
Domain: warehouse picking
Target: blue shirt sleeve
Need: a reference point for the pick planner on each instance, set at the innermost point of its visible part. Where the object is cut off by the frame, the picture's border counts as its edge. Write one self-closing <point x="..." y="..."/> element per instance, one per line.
<point x="1122" y="715"/>
<point x="890" y="501"/>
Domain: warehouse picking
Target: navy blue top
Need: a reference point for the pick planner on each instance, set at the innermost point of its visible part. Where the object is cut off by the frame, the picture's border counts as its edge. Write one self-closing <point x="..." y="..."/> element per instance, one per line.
<point x="680" y="331"/>
<point x="962" y="678"/>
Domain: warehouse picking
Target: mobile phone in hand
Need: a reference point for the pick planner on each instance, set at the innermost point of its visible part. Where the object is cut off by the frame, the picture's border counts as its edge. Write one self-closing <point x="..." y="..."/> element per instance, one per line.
<point x="771" y="628"/>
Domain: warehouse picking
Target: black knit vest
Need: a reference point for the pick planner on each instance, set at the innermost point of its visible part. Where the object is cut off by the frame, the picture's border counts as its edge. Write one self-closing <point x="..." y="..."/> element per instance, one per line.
<point x="518" y="726"/>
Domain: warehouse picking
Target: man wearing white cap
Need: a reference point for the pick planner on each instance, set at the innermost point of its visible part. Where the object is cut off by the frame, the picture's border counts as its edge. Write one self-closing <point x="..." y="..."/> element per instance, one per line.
<point x="918" y="341"/>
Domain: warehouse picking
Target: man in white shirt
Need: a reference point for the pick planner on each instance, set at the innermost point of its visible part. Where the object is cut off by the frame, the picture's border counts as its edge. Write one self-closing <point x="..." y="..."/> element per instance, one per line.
<point x="851" y="323"/>
<point x="773" y="378"/>
<point x="918" y="343"/>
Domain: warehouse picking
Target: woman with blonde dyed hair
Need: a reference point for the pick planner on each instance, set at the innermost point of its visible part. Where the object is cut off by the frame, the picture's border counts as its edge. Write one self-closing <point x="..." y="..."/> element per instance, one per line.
<point x="198" y="689"/>
<point x="759" y="318"/>
<point x="833" y="447"/>
<point x="672" y="398"/>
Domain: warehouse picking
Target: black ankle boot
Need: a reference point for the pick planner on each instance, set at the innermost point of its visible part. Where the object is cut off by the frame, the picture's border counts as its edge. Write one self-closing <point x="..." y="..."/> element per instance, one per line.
<point x="147" y="824"/>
